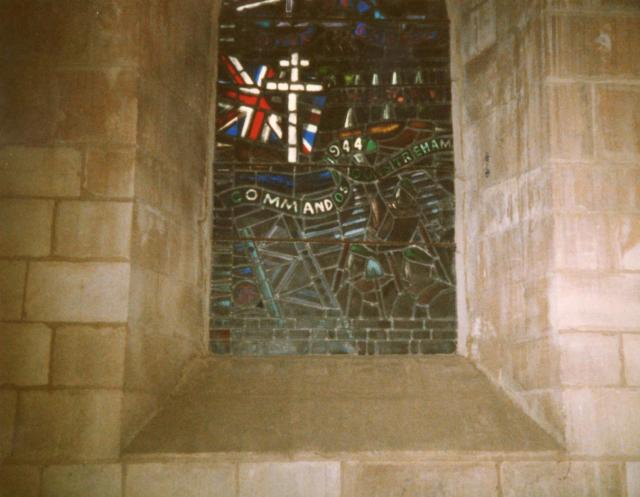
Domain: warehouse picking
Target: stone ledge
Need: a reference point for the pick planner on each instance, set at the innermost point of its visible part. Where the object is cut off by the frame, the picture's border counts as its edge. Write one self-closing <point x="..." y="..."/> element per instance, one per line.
<point x="339" y="405"/>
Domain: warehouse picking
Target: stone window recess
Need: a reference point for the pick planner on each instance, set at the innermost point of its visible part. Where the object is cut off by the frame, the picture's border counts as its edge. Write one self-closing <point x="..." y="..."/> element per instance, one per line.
<point x="333" y="178"/>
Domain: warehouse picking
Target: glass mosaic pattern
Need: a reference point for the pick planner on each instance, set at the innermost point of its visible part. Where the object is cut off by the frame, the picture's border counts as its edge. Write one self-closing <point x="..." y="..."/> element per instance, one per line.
<point x="333" y="179"/>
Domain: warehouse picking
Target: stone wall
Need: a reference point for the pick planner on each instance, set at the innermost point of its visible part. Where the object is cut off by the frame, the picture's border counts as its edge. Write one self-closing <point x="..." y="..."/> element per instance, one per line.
<point x="168" y="302"/>
<point x="106" y="107"/>
<point x="102" y="175"/>
<point x="593" y="90"/>
<point x="505" y="210"/>
<point x="549" y="110"/>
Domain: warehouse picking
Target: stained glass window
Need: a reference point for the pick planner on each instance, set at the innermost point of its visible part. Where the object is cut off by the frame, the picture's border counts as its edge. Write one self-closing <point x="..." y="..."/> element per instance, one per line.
<point x="333" y="179"/>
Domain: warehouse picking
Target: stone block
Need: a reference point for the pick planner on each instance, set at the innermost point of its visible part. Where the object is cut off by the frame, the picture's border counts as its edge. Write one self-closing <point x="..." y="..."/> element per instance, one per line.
<point x="538" y="246"/>
<point x="594" y="46"/>
<point x="109" y="172"/>
<point x="24" y="354"/>
<point x="629" y="240"/>
<point x="19" y="481"/>
<point x="633" y="479"/>
<point x="601" y="188"/>
<point x="535" y="364"/>
<point x="590" y="359"/>
<point x="480" y="96"/>
<point x="570" y="121"/>
<point x="587" y="241"/>
<point x="12" y="281"/>
<point x="8" y="404"/>
<point x="545" y="407"/>
<point x="111" y="35"/>
<point x="479" y="26"/>
<point x="148" y="187"/>
<point x="562" y="479"/>
<point x="311" y="479"/>
<point x="68" y="425"/>
<point x="631" y="348"/>
<point x="88" y="356"/>
<point x="184" y="249"/>
<point x="610" y="6"/>
<point x="170" y="130"/>
<point x="26" y="227"/>
<point x="144" y="306"/>
<point x="40" y="171"/>
<point x="29" y="112"/>
<point x="177" y="479"/>
<point x="185" y="318"/>
<point x="181" y="66"/>
<point x="137" y="410"/>
<point x="420" y="480"/>
<point x="93" y="229"/>
<point x="98" y="106"/>
<point x="154" y="363"/>
<point x="95" y="480"/>
<point x="537" y="308"/>
<point x="603" y="421"/>
<point x="618" y="120"/>
<point x="150" y="238"/>
<point x="77" y="291"/>
<point x="102" y="33"/>
<point x="596" y="301"/>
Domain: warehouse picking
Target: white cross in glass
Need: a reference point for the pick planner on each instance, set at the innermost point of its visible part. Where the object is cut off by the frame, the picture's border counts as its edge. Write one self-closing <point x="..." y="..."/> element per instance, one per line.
<point x="293" y="87"/>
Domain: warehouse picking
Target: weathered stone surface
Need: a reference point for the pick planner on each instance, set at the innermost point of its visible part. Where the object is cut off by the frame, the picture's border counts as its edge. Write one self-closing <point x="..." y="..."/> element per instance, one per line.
<point x="629" y="238"/>
<point x="19" y="481"/>
<point x="597" y="301"/>
<point x="180" y="480"/>
<point x="480" y="26"/>
<point x="562" y="479"/>
<point x="88" y="356"/>
<point x="68" y="425"/>
<point x="590" y="359"/>
<point x="74" y="32"/>
<point x="93" y="229"/>
<point x="594" y="46"/>
<point x="587" y="241"/>
<point x="535" y="364"/>
<point x="154" y="362"/>
<point x="183" y="69"/>
<point x="24" y="354"/>
<point x="292" y="405"/>
<point x="12" y="281"/>
<point x="149" y="243"/>
<point x="631" y="348"/>
<point x="87" y="291"/>
<point x="570" y="121"/>
<point x="26" y="227"/>
<point x="8" y="404"/>
<point x="312" y="479"/>
<point x="599" y="188"/>
<point x="618" y="120"/>
<point x="170" y="130"/>
<point x="40" y="171"/>
<point x="143" y="304"/>
<point x="186" y="317"/>
<point x="109" y="172"/>
<point x="545" y="407"/>
<point x="137" y="410"/>
<point x="29" y="112"/>
<point x="95" y="480"/>
<point x="420" y="480"/>
<point x="633" y="479"/>
<point x="100" y="106"/>
<point x="602" y="421"/>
